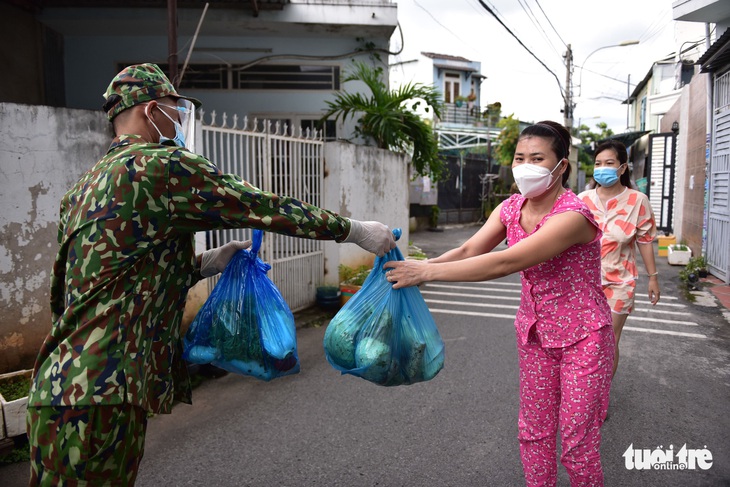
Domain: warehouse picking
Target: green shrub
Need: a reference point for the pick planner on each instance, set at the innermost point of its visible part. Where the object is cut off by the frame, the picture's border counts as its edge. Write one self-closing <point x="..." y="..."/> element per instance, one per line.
<point x="15" y="387"/>
<point x="693" y="267"/>
<point x="355" y="276"/>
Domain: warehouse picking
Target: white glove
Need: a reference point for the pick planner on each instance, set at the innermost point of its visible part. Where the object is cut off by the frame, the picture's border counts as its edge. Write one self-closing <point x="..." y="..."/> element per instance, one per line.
<point x="213" y="261"/>
<point x="371" y="236"/>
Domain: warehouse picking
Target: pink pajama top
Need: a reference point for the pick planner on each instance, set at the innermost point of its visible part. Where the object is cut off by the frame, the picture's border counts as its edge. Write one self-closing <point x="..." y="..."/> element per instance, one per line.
<point x="562" y="298"/>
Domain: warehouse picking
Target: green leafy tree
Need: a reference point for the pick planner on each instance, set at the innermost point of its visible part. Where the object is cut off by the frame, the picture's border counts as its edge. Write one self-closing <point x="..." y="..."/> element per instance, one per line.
<point x="507" y="139"/>
<point x="388" y="117"/>
<point x="492" y="114"/>
<point x="589" y="141"/>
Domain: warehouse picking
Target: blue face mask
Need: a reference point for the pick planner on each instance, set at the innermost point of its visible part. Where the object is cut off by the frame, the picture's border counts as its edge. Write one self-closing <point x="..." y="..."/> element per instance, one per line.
<point x="606" y="176"/>
<point x="179" y="139"/>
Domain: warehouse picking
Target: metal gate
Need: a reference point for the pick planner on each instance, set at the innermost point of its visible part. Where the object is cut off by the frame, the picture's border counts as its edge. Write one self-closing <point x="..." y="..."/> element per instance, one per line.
<point x="274" y="159"/>
<point x="662" y="157"/>
<point x="718" y="205"/>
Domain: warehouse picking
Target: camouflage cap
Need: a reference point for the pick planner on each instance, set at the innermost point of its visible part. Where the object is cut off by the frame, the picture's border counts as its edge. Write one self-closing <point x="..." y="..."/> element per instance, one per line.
<point x="137" y="84"/>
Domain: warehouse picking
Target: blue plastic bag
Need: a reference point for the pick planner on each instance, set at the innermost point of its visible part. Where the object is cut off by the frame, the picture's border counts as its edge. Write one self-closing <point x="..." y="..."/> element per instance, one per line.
<point x="384" y="335"/>
<point x="245" y="326"/>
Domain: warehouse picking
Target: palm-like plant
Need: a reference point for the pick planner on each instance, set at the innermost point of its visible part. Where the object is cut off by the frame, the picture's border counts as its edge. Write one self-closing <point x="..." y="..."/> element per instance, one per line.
<point x="385" y="117"/>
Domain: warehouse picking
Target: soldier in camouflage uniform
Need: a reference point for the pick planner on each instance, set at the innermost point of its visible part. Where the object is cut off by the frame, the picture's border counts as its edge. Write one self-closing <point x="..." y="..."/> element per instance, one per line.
<point x="120" y="279"/>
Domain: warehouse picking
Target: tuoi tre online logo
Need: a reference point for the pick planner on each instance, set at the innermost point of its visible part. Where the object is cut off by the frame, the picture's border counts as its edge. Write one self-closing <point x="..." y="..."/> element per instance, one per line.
<point x="660" y="459"/>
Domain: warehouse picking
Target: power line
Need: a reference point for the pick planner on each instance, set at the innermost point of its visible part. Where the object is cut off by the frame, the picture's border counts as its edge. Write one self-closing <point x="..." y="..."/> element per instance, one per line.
<point x="481" y="12"/>
<point x="659" y="31"/>
<point x="533" y="18"/>
<point x="551" y="24"/>
<point x="562" y="91"/>
<point x="604" y="75"/>
<point x="658" y="25"/>
<point x="439" y="23"/>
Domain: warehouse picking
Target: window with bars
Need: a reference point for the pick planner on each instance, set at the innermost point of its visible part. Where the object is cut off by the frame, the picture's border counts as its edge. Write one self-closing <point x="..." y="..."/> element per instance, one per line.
<point x="259" y="77"/>
<point x="287" y="77"/>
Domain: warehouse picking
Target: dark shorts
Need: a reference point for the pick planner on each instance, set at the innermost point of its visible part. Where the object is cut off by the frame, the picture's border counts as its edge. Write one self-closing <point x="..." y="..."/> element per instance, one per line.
<point x="85" y="446"/>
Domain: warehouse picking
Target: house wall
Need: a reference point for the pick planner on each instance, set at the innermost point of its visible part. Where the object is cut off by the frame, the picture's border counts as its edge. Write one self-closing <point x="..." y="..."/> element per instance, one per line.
<point x="85" y="86"/>
<point x="83" y="83"/>
<point x="364" y="183"/>
<point x="45" y="151"/>
<point x="87" y="45"/>
<point x="419" y="70"/>
<point x="635" y="110"/>
<point x="690" y="112"/>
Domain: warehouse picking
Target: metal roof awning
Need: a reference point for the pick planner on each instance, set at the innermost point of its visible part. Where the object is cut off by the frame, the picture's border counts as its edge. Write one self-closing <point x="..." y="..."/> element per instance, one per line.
<point x="718" y="55"/>
<point x="627" y="138"/>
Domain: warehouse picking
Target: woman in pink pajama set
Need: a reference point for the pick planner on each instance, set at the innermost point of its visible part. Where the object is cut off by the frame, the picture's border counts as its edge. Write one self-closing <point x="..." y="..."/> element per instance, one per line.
<point x="565" y="339"/>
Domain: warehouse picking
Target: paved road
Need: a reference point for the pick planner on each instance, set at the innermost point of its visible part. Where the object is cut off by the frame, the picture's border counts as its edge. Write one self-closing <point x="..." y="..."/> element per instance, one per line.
<point x="323" y="429"/>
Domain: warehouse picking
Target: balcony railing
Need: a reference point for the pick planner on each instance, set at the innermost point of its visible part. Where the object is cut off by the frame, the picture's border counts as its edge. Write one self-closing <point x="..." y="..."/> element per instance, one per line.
<point x="466" y="114"/>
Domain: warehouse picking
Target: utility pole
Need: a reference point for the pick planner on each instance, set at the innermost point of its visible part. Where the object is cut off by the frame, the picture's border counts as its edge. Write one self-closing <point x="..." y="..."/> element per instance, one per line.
<point x="568" y="109"/>
<point x="172" y="40"/>
<point x="628" y="102"/>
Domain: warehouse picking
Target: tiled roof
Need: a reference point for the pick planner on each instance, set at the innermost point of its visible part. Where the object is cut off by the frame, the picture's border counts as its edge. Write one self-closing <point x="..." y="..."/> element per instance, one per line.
<point x="447" y="57"/>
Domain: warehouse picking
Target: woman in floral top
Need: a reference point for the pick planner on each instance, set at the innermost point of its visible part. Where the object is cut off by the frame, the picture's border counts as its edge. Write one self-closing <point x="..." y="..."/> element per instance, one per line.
<point x="627" y="222"/>
<point x="564" y="339"/>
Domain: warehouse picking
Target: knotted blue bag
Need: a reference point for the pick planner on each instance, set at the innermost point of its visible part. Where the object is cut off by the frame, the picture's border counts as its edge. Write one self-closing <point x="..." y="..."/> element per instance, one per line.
<point x="384" y="335"/>
<point x="245" y="326"/>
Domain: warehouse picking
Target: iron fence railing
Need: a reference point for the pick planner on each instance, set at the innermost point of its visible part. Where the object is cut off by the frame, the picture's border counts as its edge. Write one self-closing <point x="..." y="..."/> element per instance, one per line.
<point x="283" y="161"/>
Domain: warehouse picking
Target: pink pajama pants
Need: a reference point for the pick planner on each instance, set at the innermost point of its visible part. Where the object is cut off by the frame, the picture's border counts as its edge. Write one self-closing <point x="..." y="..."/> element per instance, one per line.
<point x="566" y="387"/>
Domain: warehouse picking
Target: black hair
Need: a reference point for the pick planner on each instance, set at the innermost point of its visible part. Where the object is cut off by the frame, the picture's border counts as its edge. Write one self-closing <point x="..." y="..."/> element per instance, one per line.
<point x="560" y="140"/>
<point x="621" y="154"/>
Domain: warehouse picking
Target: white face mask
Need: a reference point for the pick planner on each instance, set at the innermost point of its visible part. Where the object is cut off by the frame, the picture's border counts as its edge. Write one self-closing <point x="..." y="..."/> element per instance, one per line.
<point x="533" y="180"/>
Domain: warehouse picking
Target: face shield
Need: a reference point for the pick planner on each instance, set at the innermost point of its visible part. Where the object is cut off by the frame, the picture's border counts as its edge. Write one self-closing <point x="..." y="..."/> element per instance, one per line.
<point x="186" y="111"/>
<point x="186" y="118"/>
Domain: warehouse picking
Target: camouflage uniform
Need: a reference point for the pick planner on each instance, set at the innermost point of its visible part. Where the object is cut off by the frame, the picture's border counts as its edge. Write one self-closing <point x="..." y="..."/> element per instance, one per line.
<point x="125" y="264"/>
<point x="102" y="445"/>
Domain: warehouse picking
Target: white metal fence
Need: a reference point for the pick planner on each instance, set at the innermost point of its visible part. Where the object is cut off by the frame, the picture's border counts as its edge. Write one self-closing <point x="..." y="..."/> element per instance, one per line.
<point x="275" y="159"/>
<point x="718" y="206"/>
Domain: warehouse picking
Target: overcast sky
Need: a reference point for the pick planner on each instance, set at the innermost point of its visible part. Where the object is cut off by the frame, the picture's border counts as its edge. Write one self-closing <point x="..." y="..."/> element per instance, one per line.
<point x="516" y="79"/>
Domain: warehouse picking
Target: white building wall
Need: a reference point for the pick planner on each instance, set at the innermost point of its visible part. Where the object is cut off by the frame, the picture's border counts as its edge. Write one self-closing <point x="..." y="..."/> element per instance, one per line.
<point x="44" y="152"/>
<point x="85" y="87"/>
<point x="418" y="70"/>
<point x="364" y="183"/>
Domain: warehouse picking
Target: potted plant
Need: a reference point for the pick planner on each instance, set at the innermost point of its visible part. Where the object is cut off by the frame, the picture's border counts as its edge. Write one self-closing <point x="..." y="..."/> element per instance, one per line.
<point x="695" y="269"/>
<point x="351" y="280"/>
<point x="678" y="254"/>
<point x="460" y="100"/>
<point x="415" y="253"/>
<point x="14" y="389"/>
